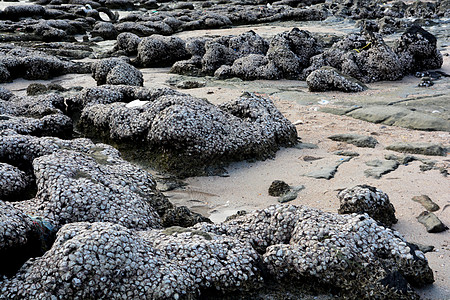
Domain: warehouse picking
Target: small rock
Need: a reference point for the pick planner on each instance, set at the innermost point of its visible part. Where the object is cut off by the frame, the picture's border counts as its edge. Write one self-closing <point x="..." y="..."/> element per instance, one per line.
<point x="380" y="167"/>
<point x="426" y="202"/>
<point x="289" y="196"/>
<point x="190" y="84"/>
<point x="355" y="139"/>
<point x="431" y="222"/>
<point x="425" y="82"/>
<point x="278" y="188"/>
<point x="423" y="248"/>
<point x="346" y="153"/>
<point x="310" y="158"/>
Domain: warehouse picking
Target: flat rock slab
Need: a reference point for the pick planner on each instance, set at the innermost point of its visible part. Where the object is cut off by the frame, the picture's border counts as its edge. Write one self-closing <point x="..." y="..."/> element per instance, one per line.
<point x="399" y="116"/>
<point x="346" y="153"/>
<point x="355" y="139"/>
<point x="426" y="202"/>
<point x="380" y="167"/>
<point x="419" y="148"/>
<point x="291" y="195"/>
<point x="327" y="172"/>
<point x="431" y="222"/>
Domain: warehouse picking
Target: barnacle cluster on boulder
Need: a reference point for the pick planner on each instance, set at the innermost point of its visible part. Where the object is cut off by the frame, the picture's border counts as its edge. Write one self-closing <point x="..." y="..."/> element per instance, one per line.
<point x="187" y="131"/>
<point x="349" y="253"/>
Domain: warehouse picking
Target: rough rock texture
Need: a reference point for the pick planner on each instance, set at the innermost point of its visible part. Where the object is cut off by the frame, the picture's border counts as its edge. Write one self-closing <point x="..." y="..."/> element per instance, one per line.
<point x="367" y="199"/>
<point x="13" y="181"/>
<point x="21" y="237"/>
<point x="21" y="62"/>
<point x="330" y="79"/>
<point x="128" y="42"/>
<point x="365" y="57"/>
<point x="39" y="115"/>
<point x="104" y="260"/>
<point x="116" y="71"/>
<point x="278" y="188"/>
<point x="417" y="50"/>
<point x="157" y="50"/>
<point x="52" y="125"/>
<point x="291" y="51"/>
<point x="253" y="66"/>
<point x="189" y="131"/>
<point x="349" y="253"/>
<point x="78" y="180"/>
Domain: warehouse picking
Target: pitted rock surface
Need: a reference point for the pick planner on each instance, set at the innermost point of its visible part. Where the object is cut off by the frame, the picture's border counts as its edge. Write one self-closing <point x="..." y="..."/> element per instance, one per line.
<point x="367" y="199"/>
<point x="250" y="126"/>
<point x="29" y="64"/>
<point x="78" y="180"/>
<point x="13" y="181"/>
<point x="116" y="71"/>
<point x="104" y="260"/>
<point x="343" y="251"/>
<point x="330" y="79"/>
<point x="157" y="50"/>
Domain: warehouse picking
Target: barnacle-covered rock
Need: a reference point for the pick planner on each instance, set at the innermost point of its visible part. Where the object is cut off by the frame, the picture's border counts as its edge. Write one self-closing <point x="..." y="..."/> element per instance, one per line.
<point x="351" y="254"/>
<point x="367" y="199"/>
<point x="116" y="71"/>
<point x="51" y="125"/>
<point x="365" y="57"/>
<point x="329" y="78"/>
<point x="104" y="260"/>
<point x="78" y="180"/>
<point x="75" y="187"/>
<point x="30" y="64"/>
<point x="128" y="42"/>
<point x="21" y="237"/>
<point x="417" y="50"/>
<point x="13" y="181"/>
<point x="190" y="132"/>
<point x="157" y="50"/>
<point x="291" y="51"/>
<point x="32" y="106"/>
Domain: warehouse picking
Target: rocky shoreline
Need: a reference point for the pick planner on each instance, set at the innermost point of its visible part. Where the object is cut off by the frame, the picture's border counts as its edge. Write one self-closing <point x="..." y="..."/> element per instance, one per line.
<point x="112" y="111"/>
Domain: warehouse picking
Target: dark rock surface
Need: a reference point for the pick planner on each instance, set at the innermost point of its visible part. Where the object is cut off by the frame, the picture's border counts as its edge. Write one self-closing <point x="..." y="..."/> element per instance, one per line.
<point x="330" y="79"/>
<point x="365" y="199"/>
<point x="21" y="237"/>
<point x="278" y="188"/>
<point x="158" y="50"/>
